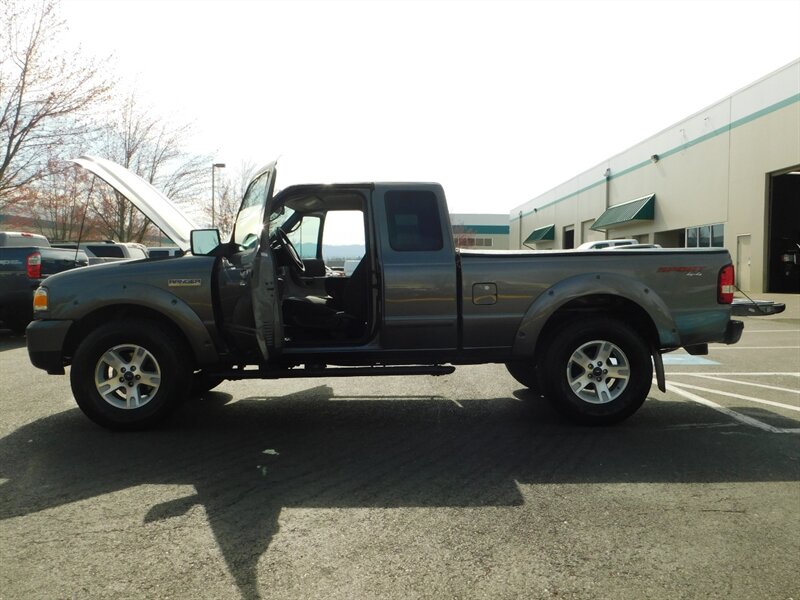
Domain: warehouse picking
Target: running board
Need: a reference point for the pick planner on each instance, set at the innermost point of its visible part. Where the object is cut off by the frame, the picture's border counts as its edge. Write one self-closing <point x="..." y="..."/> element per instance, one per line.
<point x="298" y="373"/>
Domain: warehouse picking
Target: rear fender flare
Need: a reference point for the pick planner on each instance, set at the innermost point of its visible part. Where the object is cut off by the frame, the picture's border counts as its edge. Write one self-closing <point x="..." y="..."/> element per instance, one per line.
<point x="551" y="300"/>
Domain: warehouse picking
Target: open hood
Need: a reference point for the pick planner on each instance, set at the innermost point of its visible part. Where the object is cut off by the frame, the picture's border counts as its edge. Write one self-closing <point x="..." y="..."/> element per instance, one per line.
<point x="155" y="205"/>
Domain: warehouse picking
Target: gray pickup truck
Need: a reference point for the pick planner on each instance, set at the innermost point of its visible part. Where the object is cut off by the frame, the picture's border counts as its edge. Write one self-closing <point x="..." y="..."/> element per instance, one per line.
<point x="26" y="259"/>
<point x="585" y="329"/>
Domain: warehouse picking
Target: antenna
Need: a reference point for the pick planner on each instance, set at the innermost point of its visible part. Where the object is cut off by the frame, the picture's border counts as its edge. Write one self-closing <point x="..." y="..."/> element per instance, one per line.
<point x="83" y="220"/>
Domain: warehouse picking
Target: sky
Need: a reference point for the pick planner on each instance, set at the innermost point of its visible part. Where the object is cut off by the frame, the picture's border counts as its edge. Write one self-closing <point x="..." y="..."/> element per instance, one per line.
<point x="497" y="101"/>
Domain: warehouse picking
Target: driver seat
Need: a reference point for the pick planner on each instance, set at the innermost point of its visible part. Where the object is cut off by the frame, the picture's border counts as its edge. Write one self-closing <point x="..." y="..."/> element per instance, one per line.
<point x="318" y="313"/>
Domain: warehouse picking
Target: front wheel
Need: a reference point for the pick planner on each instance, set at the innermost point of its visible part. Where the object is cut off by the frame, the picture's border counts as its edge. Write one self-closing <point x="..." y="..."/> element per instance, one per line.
<point x="524" y="372"/>
<point x="598" y="370"/>
<point x="130" y="374"/>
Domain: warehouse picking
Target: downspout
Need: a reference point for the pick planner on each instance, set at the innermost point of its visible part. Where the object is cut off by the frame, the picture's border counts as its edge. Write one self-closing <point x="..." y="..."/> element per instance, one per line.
<point x="520" y="230"/>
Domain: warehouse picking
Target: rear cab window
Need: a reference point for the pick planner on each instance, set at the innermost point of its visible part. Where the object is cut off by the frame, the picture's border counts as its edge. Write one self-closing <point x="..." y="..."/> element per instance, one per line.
<point x="413" y="221"/>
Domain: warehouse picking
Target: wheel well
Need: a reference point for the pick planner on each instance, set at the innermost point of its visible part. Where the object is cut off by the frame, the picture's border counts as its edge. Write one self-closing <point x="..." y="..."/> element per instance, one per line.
<point x="102" y="316"/>
<point x="609" y="306"/>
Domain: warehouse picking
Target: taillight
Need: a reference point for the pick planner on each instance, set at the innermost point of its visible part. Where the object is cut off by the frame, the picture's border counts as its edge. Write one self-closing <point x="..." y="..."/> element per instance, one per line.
<point x="726" y="286"/>
<point x="33" y="264"/>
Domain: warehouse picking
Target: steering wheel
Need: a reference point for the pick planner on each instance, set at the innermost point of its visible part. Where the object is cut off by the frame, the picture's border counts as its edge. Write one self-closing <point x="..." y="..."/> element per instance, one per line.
<point x="286" y="245"/>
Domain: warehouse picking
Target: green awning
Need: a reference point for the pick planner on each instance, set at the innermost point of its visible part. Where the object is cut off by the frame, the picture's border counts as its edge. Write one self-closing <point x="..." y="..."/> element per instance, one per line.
<point x="543" y="234"/>
<point x="641" y="209"/>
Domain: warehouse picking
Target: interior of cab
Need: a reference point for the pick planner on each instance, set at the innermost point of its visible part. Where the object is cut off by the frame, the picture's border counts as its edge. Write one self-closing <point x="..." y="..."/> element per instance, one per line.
<point x="321" y="248"/>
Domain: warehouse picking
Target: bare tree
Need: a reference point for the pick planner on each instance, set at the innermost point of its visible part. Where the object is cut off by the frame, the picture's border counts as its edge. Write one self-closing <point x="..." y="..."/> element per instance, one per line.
<point x="244" y="174"/>
<point x="58" y="202"/>
<point x="229" y="193"/>
<point x="227" y="202"/>
<point x="463" y="237"/>
<point x="46" y="94"/>
<point x="153" y="148"/>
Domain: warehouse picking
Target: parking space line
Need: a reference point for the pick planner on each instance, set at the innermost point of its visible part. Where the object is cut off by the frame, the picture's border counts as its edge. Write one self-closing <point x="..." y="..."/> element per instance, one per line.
<point x="731" y="413"/>
<point x="758" y="385"/>
<point x="792" y="331"/>
<point x="758" y="374"/>
<point x="723" y="347"/>
<point x="738" y="396"/>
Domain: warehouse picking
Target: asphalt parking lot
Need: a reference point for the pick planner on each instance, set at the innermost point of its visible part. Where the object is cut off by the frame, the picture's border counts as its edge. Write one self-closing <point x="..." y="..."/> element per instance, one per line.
<point x="463" y="486"/>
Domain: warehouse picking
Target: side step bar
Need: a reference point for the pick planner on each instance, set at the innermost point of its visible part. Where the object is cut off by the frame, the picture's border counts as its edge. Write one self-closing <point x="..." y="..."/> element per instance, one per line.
<point x="317" y="371"/>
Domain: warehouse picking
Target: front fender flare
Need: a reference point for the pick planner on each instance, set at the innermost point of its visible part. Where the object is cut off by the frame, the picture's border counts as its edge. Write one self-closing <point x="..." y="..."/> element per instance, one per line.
<point x="153" y="298"/>
<point x="591" y="284"/>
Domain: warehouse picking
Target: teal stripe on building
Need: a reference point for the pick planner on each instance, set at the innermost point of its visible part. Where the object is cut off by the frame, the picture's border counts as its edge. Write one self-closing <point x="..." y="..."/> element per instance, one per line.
<point x="712" y="134"/>
<point x="483" y="229"/>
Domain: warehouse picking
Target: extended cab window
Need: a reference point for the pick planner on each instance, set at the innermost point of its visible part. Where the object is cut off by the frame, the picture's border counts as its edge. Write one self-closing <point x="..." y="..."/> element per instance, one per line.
<point x="413" y="221"/>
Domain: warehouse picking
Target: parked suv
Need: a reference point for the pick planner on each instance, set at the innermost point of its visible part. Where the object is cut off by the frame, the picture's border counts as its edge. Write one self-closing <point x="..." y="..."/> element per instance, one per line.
<point x="604" y="244"/>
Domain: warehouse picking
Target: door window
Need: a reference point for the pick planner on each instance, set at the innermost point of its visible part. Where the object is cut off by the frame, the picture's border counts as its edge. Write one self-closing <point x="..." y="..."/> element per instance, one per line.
<point x="343" y="237"/>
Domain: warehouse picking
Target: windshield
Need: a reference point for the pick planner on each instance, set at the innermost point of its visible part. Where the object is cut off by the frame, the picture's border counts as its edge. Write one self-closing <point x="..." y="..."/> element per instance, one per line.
<point x="279" y="216"/>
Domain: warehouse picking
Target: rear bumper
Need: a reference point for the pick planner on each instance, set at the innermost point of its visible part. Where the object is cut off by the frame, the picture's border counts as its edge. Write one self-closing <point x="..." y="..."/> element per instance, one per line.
<point x="733" y="332"/>
<point x="45" y="344"/>
<point x="756" y="308"/>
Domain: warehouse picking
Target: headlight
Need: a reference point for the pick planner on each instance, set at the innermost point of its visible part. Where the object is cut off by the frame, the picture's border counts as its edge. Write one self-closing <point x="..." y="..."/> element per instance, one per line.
<point x="40" y="299"/>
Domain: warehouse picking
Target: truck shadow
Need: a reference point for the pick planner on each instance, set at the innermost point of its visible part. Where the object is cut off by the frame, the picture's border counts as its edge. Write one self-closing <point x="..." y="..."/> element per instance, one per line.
<point x="250" y="458"/>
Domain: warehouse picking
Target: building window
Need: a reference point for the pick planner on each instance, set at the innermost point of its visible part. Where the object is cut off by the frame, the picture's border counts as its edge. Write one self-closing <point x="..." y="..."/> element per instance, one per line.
<point x="465" y="241"/>
<point x="718" y="236"/>
<point x="706" y="236"/>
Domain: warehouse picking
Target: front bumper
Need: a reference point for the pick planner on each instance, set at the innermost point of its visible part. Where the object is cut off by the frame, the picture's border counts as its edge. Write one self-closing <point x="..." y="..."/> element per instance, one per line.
<point x="45" y="341"/>
<point x="733" y="332"/>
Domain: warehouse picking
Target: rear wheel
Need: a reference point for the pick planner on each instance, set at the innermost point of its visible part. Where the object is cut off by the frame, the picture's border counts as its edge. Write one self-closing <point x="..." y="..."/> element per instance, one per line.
<point x="130" y="374"/>
<point x="599" y="371"/>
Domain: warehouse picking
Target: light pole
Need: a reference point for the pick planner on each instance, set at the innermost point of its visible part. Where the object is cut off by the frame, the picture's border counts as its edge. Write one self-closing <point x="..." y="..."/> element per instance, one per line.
<point x="214" y="168"/>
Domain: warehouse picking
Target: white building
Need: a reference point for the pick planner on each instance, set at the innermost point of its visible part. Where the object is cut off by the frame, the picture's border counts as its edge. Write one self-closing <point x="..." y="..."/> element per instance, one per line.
<point x="728" y="176"/>
<point x="480" y="231"/>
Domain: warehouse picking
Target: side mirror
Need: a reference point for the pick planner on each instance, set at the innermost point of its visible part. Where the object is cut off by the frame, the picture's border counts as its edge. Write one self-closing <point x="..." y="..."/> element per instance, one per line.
<point x="204" y="241"/>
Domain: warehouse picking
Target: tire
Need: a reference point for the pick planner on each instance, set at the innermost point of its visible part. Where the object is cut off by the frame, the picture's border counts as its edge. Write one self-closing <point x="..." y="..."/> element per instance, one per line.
<point x="136" y="356"/>
<point x="601" y="347"/>
<point x="525" y="373"/>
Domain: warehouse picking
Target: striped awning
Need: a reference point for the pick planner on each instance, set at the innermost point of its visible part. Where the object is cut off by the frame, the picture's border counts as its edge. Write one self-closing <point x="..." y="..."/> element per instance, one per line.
<point x="542" y="234"/>
<point x="641" y="209"/>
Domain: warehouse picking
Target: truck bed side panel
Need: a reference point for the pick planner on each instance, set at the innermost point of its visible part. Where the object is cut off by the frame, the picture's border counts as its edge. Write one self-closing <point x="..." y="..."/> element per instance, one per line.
<point x="678" y="288"/>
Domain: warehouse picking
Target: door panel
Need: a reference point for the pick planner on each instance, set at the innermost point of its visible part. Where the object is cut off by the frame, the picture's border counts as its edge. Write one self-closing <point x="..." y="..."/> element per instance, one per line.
<point x="743" y="262"/>
<point x="420" y="308"/>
